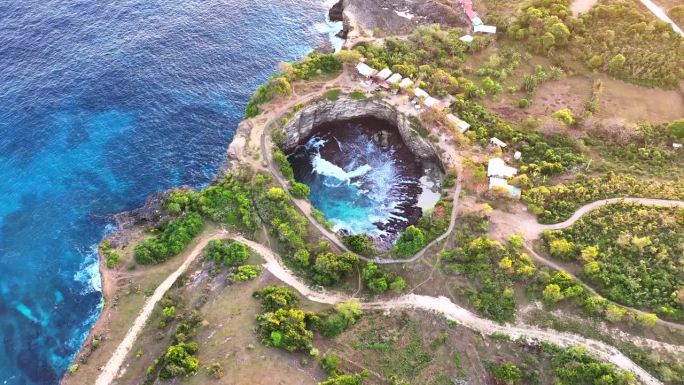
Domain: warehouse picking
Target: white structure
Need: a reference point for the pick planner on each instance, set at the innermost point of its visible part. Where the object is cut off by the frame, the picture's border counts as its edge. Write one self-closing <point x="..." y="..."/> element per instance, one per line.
<point x="517" y="155"/>
<point x="500" y="183"/>
<point x="364" y="70"/>
<point x="497" y="168"/>
<point x="434" y="103"/>
<point x="420" y="93"/>
<point x="463" y="126"/>
<point x="405" y="83"/>
<point x="384" y="74"/>
<point x="394" y="79"/>
<point x="676" y="146"/>
<point x="466" y="38"/>
<point x="485" y="28"/>
<point x="497" y="142"/>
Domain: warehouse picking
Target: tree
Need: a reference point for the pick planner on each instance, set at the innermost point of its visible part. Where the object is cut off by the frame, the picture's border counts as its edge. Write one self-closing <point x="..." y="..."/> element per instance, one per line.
<point x="232" y="253"/>
<point x="246" y="273"/>
<point x="615" y="313"/>
<point x="616" y="63"/>
<point x="676" y="129"/>
<point x="490" y="86"/>
<point x="330" y="268"/>
<point x="506" y="373"/>
<point x="398" y="285"/>
<point x="564" y="116"/>
<point x="299" y="190"/>
<point x="360" y="244"/>
<point x="647" y="319"/>
<point x="281" y="87"/>
<point x="345" y="379"/>
<point x="561" y="248"/>
<point x="289" y="329"/>
<point x="331" y="364"/>
<point x="276" y="297"/>
<point x="178" y="361"/>
<point x="552" y="293"/>
<point x="410" y="241"/>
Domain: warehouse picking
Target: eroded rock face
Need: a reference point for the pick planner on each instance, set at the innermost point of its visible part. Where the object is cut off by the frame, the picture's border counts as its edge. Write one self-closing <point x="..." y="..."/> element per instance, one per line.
<point x="304" y="122"/>
<point x="397" y="17"/>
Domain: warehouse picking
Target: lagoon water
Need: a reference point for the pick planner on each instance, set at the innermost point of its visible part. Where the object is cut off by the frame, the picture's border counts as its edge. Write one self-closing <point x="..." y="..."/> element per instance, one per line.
<point x="361" y="184"/>
<point x="101" y="105"/>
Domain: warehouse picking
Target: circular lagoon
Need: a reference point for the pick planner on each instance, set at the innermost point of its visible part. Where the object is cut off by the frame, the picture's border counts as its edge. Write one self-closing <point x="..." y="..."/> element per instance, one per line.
<point x="364" y="178"/>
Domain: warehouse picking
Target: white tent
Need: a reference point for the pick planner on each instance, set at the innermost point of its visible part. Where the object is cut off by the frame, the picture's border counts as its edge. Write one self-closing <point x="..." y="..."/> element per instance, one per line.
<point x="466" y="38"/>
<point x="420" y="93"/>
<point x="497" y="142"/>
<point x="463" y="126"/>
<point x="485" y="28"/>
<point x="364" y="70"/>
<point x="497" y="168"/>
<point x="384" y="74"/>
<point x="395" y="78"/>
<point x="405" y="83"/>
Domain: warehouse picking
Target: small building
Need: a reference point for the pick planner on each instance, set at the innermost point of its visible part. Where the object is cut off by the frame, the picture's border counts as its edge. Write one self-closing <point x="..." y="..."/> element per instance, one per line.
<point x="384" y="74"/>
<point x="497" y="142"/>
<point x="434" y="103"/>
<point x="366" y="71"/>
<point x="501" y="183"/>
<point x="676" y="146"/>
<point x="485" y="28"/>
<point x="420" y="93"/>
<point x="462" y="125"/>
<point x="517" y="155"/>
<point x="466" y="38"/>
<point x="476" y="21"/>
<point x="405" y="83"/>
<point x="497" y="168"/>
<point x="394" y="79"/>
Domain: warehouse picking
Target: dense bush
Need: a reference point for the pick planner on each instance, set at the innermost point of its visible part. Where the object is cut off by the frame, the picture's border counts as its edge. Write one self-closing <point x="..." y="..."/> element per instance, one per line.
<point x="490" y="265"/>
<point x="178" y="361"/>
<point x="331" y="267"/>
<point x="289" y="329"/>
<point x="174" y="236"/>
<point x="360" y="243"/>
<point x="228" y="253"/>
<point x="557" y="203"/>
<point x="379" y="281"/>
<point x="573" y="366"/>
<point x="631" y="253"/>
<point x="283" y="164"/>
<point x="410" y="241"/>
<point x="246" y="273"/>
<point x="346" y="314"/>
<point x="299" y="190"/>
<point x="274" y="297"/>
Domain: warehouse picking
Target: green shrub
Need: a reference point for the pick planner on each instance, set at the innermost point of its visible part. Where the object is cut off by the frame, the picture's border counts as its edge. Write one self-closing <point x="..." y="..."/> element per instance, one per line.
<point x="333" y="94"/>
<point x="174" y="236"/>
<point x="299" y="190"/>
<point x="289" y="329"/>
<point x="246" y="273"/>
<point x="231" y="253"/>
<point x="410" y="241"/>
<point x="274" y="297"/>
<point x="360" y="243"/>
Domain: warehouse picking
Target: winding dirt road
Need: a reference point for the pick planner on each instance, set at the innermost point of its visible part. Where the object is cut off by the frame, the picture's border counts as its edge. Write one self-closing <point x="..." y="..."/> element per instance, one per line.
<point x="440" y="305"/>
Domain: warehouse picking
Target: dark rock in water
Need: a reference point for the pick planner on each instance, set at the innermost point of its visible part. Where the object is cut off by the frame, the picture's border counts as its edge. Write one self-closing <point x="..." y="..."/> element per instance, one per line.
<point x="327" y="47"/>
<point x="344" y="32"/>
<point x="150" y="214"/>
<point x="336" y="12"/>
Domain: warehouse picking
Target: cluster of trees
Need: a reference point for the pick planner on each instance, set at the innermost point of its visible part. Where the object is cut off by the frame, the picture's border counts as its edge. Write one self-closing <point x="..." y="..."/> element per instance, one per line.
<point x="173" y="237"/>
<point x="631" y="252"/>
<point x="228" y="253"/>
<point x="430" y="53"/>
<point x="549" y="155"/>
<point x="109" y="253"/>
<point x="179" y="358"/>
<point x="361" y="244"/>
<point x="314" y="65"/>
<point x="616" y="37"/>
<point x="492" y="266"/>
<point x="379" y="281"/>
<point x="558" y="202"/>
<point x="228" y="202"/>
<point x="283" y="325"/>
<point x="573" y="366"/>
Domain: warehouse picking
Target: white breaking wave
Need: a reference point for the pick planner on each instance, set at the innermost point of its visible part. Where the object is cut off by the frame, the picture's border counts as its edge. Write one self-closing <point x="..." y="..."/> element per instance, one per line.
<point x="326" y="168"/>
<point x="89" y="273"/>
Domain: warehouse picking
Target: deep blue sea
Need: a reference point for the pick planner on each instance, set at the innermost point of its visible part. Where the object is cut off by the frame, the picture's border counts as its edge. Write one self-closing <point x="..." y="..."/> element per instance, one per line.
<point x="103" y="103"/>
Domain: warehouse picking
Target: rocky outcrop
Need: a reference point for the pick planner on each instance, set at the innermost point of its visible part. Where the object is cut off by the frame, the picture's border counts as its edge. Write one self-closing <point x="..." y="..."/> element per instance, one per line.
<point x="336" y="12"/>
<point x="303" y="123"/>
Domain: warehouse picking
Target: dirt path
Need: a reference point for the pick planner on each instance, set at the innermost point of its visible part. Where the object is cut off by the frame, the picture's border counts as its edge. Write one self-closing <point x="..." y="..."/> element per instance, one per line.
<point x="440" y="305"/>
<point x="111" y="369"/>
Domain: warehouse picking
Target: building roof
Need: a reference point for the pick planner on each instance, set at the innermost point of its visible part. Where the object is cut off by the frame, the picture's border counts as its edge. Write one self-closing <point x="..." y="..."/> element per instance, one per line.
<point x="365" y="70"/>
<point x="476" y="20"/>
<point x="420" y="93"/>
<point x="434" y="103"/>
<point x="463" y="126"/>
<point x="485" y="28"/>
<point x="384" y="74"/>
<point x="395" y="78"/>
<point x="676" y="145"/>
<point x="497" y="168"/>
<point x="405" y="83"/>
<point x="466" y="38"/>
<point x="513" y="192"/>
<point x="498" y="142"/>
